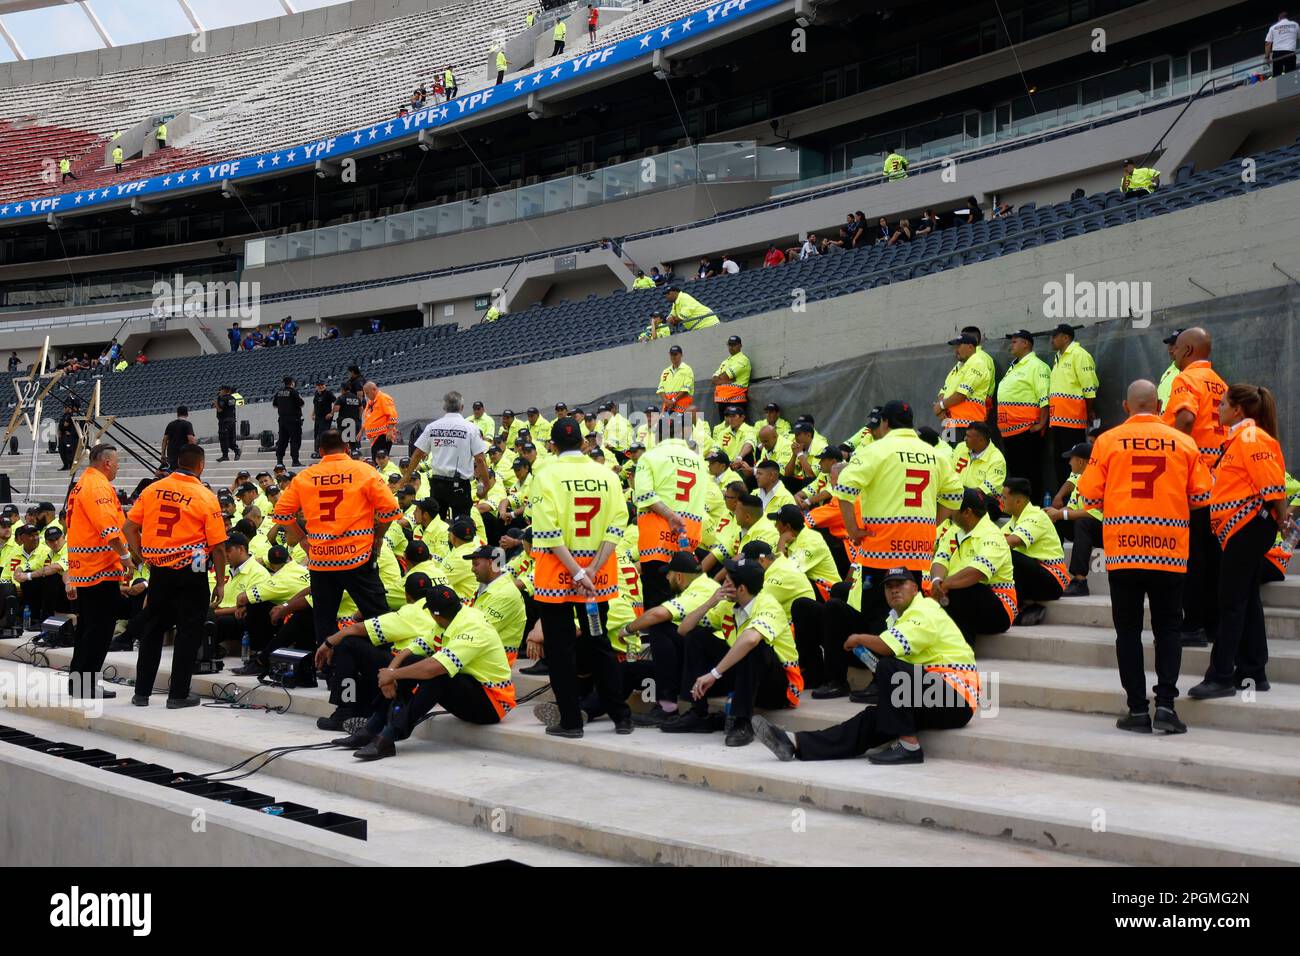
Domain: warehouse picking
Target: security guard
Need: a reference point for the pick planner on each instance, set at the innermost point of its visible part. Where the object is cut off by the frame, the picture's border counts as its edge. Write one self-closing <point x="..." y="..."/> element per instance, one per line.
<point x="98" y="561"/>
<point x="895" y="167"/>
<point x="175" y="527"/>
<point x="670" y="498"/>
<point x="288" y="408"/>
<point x="642" y="281"/>
<point x="502" y="65"/>
<point x="972" y="575"/>
<point x="498" y="598"/>
<point x="1141" y="181"/>
<point x="347" y="416"/>
<point x="1073" y="396"/>
<point x="118" y="156"/>
<point x="734" y="436"/>
<point x="1193" y="409"/>
<point x="1166" y="383"/>
<point x="676" y="383"/>
<point x="1023" y="404"/>
<point x="688" y="312"/>
<point x="483" y="422"/>
<point x="963" y="398"/>
<point x="67" y="433"/>
<point x="558" y="34"/>
<point x="322" y="415"/>
<point x="539" y="429"/>
<point x="731" y="380"/>
<point x="225" y="406"/>
<point x="980" y="465"/>
<point x="1149" y="478"/>
<point x="457" y="452"/>
<point x="65" y="168"/>
<point x="1037" y="557"/>
<point x="579" y="518"/>
<point x="919" y="651"/>
<point x="380" y="422"/>
<point x="161" y="135"/>
<point x="449" y="84"/>
<point x="615" y="431"/>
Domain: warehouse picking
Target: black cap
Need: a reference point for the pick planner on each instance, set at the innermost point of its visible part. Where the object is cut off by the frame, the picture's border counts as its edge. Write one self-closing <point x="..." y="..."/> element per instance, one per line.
<point x="832" y="452"/>
<point x="1172" y="337"/>
<point x="963" y="339"/>
<point x="1081" y="450"/>
<point x="771" y="407"/>
<point x="6" y="520"/>
<point x="429" y="506"/>
<point x="243" y="474"/>
<point x="477" y="405"/>
<point x="719" y="456"/>
<point x="732" y="410"/>
<point x="636" y="446"/>
<point x="559" y="405"/>
<point x="897" y="414"/>
<point x="441" y="600"/>
<point x="757" y="549"/>
<point x="568" y="432"/>
<point x="898" y="574"/>
<point x="974" y="498"/>
<point x="518" y="461"/>
<point x="53" y="531"/>
<point x="789" y="515"/>
<point x="45" y="506"/>
<point x="527" y="446"/>
<point x="278" y="467"/>
<point x="404" y="461"/>
<point x="417" y="552"/>
<point x="873" y="418"/>
<point x="246" y="486"/>
<point x="685" y="562"/>
<point x="278" y="554"/>
<point x="801" y="427"/>
<point x="319" y="381"/>
<point x="532" y="410"/>
<point x="609" y="407"/>
<point x="406" y="490"/>
<point x="746" y="573"/>
<point x="651" y="409"/>
<point x="1065" y="328"/>
<point x="463" y="528"/>
<point x="487" y="551"/>
<point x="24" y="529"/>
<point x="1022" y="334"/>
<point x="509" y="411"/>
<point x="674" y="350"/>
<point x="733" y="340"/>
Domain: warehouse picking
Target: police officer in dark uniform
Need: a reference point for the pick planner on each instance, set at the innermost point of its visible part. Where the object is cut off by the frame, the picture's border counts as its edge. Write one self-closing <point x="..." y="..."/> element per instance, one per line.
<point x="67" y="436"/>
<point x="347" y="412"/>
<point x="288" y="406"/>
<point x="225" y="406"/>
<point x="322" y="414"/>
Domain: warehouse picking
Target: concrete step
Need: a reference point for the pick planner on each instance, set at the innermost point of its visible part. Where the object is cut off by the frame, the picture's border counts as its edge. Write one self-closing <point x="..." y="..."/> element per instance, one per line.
<point x="1095" y="647"/>
<point x="394" y="836"/>
<point x="1283" y="623"/>
<point x="614" y="816"/>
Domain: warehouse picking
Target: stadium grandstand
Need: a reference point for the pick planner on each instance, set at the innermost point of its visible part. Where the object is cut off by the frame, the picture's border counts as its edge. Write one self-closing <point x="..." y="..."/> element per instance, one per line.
<point x="246" y="232"/>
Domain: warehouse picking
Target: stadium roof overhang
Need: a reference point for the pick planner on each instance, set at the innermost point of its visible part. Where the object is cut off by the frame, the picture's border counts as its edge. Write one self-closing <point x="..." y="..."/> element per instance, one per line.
<point x="714" y="25"/>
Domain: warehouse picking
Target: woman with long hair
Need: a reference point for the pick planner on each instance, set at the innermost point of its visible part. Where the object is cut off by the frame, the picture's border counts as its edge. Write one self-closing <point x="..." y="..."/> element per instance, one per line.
<point x="1247" y="505"/>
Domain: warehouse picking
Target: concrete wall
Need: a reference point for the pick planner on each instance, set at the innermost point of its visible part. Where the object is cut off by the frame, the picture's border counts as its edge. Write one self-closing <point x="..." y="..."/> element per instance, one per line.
<point x="1228" y="247"/>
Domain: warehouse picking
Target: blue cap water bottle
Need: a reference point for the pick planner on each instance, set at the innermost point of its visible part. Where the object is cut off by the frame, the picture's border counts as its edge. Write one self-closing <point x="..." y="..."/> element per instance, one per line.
<point x="593" y="619"/>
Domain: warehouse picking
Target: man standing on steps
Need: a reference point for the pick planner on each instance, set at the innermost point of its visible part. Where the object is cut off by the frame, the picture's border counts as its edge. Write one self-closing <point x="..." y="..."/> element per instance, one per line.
<point x="322" y="415"/>
<point x="97" y="563"/>
<point x="67" y="436"/>
<point x="670" y="496"/>
<point x="175" y="527"/>
<point x="342" y="508"/>
<point x="225" y="406"/>
<point x="288" y="408"/>
<point x="1149" y="479"/>
<point x="178" y="433"/>
<point x="1023" y="399"/>
<point x="1073" y="397"/>
<point x="457" y="453"/>
<point x="558" y="34"/>
<point x="1193" y="409"/>
<point x="380" y="418"/>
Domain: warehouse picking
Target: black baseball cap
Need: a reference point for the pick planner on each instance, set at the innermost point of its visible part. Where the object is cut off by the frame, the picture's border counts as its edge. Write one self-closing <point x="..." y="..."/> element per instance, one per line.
<point x="407" y="490"/>
<point x="566" y="431"/>
<point x="1022" y="334"/>
<point x="1172" y="337"/>
<point x="685" y="562"/>
<point x="733" y="340"/>
<point x="486" y="551"/>
<point x="527" y="446"/>
<point x="559" y="405"/>
<point x="789" y="515"/>
<point x="636" y="446"/>
<point x="278" y="554"/>
<point x="532" y="410"/>
<point x="757" y="549"/>
<point x="279" y="467"/>
<point x="509" y="411"/>
<point x="732" y="410"/>
<point x="404" y="461"/>
<point x="45" y="506"/>
<point x="833" y="452"/>
<point x="6" y="520"/>
<point x="719" y="456"/>
<point x="429" y="505"/>
<point x="873" y="418"/>
<point x="897" y="414"/>
<point x="771" y="407"/>
<point x="963" y="339"/>
<point x="746" y="573"/>
<point x="898" y="574"/>
<point x="519" y="462"/>
<point x="1081" y="450"/>
<point x="477" y="405"/>
<point x="1065" y="328"/>
<point x="674" y="349"/>
<point x="651" y="409"/>
<point x="243" y="474"/>
<point x="53" y="531"/>
<point x="463" y="528"/>
<point x="245" y="487"/>
<point x="417" y="552"/>
<point x="799" y="427"/>
<point x="441" y="600"/>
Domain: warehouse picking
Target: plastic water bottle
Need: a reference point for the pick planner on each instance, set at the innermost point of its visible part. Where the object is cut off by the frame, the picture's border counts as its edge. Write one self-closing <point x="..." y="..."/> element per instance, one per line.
<point x="593" y="619"/>
<point x="1291" y="538"/>
<point x="684" y="541"/>
<point x="1047" y="499"/>
<point x="869" y="659"/>
<point x="243" y="647"/>
<point x="27" y="618"/>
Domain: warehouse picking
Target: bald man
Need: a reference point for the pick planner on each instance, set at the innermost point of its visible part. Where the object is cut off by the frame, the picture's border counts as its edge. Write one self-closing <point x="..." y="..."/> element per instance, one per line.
<point x="1193" y="409"/>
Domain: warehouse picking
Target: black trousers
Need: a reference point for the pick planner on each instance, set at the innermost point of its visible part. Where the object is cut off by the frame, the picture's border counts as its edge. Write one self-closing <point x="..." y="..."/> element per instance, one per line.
<point x="327" y="589"/>
<point x="290" y="436"/>
<point x="1200" y="584"/>
<point x="654" y="583"/>
<point x="354" y="674"/>
<point x="226" y="438"/>
<point x="977" y="610"/>
<point x="840" y="619"/>
<point x="1241" y="647"/>
<point x="501" y="75"/>
<point x="382" y="443"/>
<point x="666" y="648"/>
<point x="66" y="453"/>
<point x="568" y="650"/>
<point x="558" y="49"/>
<point x="257" y="621"/>
<point x="452" y="495"/>
<point x="1283" y="62"/>
<point x="809" y="619"/>
<point x="493" y="526"/>
<point x="1063" y="439"/>
<point x="177" y="598"/>
<point x="757" y="679"/>
<point x="1033" y="581"/>
<point x="897" y="715"/>
<point x="461" y="696"/>
<point x="634" y="675"/>
<point x="1087" y="535"/>
<point x="96" y="617"/>
<point x="320" y="427"/>
<point x="1024" y="455"/>
<point x="1163" y="589"/>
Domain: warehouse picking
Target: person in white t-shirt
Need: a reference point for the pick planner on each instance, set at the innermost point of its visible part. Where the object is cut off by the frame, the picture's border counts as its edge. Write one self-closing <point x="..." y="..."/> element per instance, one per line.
<point x="809" y="248"/>
<point x="456" y="452"/>
<point x="729" y="265"/>
<point x="1279" y="45"/>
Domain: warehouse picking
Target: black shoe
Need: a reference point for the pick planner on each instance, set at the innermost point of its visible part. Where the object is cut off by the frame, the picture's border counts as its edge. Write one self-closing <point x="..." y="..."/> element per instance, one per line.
<point x="193" y="700"/>
<point x="869" y="695"/>
<point x="1197" y="638"/>
<point x="104" y="693"/>
<point x="249" y="668"/>
<point x="1168" y="721"/>
<point x="139" y="700"/>
<point x="224" y="458"/>
<point x="334" y="721"/>
<point x="558" y="731"/>
<point x="1136" y="721"/>
<point x="315" y="456"/>
<point x="656" y="716"/>
<point x="896" y="753"/>
<point x="1031" y="615"/>
<point x="741" y="734"/>
<point x="1257" y="683"/>
<point x="773" y="738"/>
<point x="352" y="741"/>
<point x="238" y="454"/>
<point x="536" y="669"/>
<point x="297" y="464"/>
<point x="1076" y="589"/>
<point x="1210" y="689"/>
<point x="377" y="749"/>
<point x="831" y="690"/>
<point x="623" y="726"/>
<point x="693" y="722"/>
<point x="121" y="647"/>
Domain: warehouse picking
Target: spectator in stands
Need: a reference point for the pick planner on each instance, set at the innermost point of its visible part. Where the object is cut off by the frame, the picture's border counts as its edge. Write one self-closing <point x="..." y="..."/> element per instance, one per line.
<point x="376" y="326"/>
<point x="1139" y="181"/>
<point x="775" y="257"/>
<point x="272" y="338"/>
<point x="902" y="234"/>
<point x="882" y="231"/>
<point x="895" y="166"/>
<point x="593" y="18"/>
<point x="558" y="35"/>
<point x="449" y="83"/>
<point x="849" y="231"/>
<point x="65" y="167"/>
<point x="729" y="266"/>
<point x="809" y="248"/>
<point x="831" y="246"/>
<point x="1003" y="211"/>
<point x="13" y="362"/>
<point x="929" y="223"/>
<point x="236" y="337"/>
<point x="417" y="99"/>
<point x="1279" y="45"/>
<point x="141" y="358"/>
<point x="331" y="332"/>
<point x="658" y="277"/>
<point x="436" y="88"/>
<point x="706" y="270"/>
<point x="289" y="330"/>
<point x="972" y="213"/>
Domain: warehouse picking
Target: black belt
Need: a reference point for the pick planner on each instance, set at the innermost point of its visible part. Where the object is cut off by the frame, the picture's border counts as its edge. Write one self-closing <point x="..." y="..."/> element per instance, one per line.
<point x="453" y="478"/>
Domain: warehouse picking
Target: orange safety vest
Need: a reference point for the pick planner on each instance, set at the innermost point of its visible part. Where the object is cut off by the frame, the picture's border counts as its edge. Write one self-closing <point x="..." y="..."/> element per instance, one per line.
<point x="1250" y="474"/>
<point x="94" y="519"/>
<point x="177" y="516"/>
<point x="1016" y="418"/>
<point x="731" y="392"/>
<point x="341" y="501"/>
<point x="381" y="416"/>
<point x="1199" y="389"/>
<point x="963" y="678"/>
<point x="966" y="412"/>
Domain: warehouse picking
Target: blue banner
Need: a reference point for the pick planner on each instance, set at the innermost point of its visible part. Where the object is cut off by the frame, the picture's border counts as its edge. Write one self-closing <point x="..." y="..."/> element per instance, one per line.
<point x="398" y="128"/>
